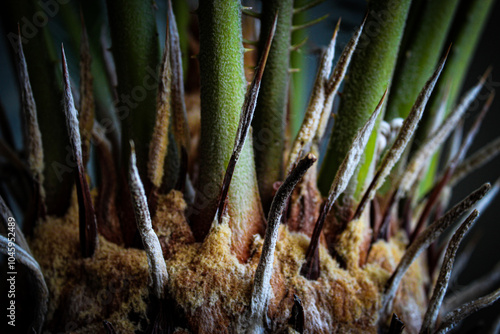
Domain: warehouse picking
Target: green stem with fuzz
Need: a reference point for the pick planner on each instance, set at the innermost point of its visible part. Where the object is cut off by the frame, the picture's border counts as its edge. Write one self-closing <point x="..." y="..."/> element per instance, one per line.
<point x="418" y="61"/>
<point x="223" y="89"/>
<point x="136" y="53"/>
<point x="370" y="73"/>
<point x="269" y="120"/>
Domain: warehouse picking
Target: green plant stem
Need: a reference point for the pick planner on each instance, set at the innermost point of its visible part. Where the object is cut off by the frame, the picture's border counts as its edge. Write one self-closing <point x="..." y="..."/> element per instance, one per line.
<point x="298" y="89"/>
<point x="223" y="88"/>
<point x="270" y="114"/>
<point x="370" y="73"/>
<point x="44" y="71"/>
<point x="416" y="64"/>
<point x="135" y="48"/>
<point x="464" y="39"/>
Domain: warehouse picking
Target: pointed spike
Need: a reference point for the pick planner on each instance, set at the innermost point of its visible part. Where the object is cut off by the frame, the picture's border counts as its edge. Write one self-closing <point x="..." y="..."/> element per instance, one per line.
<point x="156" y="263"/>
<point x="344" y="174"/>
<point x="180" y="123"/>
<point x="159" y="139"/>
<point x="87" y="107"/>
<point x="42" y="292"/>
<point x="299" y="44"/>
<point x="33" y="136"/>
<point x="434" y="141"/>
<point x="343" y="62"/>
<point x="310" y="23"/>
<point x="316" y="104"/>
<point x="307" y="6"/>
<point x="441" y="287"/>
<point x="87" y="218"/>
<point x="403" y="138"/>
<point x="261" y="285"/>
<point x="455" y="317"/>
<point x="437" y="190"/>
<point x="335" y="80"/>
<point x="245" y="122"/>
<point x="427" y="237"/>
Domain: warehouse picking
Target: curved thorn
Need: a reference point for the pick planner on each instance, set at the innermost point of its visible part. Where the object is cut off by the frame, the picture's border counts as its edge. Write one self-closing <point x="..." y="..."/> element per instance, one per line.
<point x="478" y="287"/>
<point x="156" y="263"/>
<point x="441" y="287"/>
<point x="427" y="237"/>
<point x="436" y="192"/>
<point x="261" y="285"/>
<point x="459" y="314"/>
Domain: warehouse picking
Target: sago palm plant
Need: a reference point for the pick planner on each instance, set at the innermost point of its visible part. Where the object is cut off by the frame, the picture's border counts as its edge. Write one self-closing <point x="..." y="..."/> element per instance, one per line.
<point x="161" y="192"/>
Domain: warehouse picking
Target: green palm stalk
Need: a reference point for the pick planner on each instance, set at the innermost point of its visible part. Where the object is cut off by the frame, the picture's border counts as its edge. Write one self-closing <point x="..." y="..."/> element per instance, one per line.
<point x="202" y="210"/>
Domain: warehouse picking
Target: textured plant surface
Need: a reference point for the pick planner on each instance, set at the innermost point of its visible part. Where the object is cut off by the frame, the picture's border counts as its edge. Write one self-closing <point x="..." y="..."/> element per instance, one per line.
<point x="169" y="182"/>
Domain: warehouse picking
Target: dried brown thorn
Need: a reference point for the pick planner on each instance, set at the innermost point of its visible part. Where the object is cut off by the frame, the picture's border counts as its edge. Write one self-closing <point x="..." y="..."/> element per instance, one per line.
<point x="87" y="218"/>
<point x="156" y="262"/>
<point x="424" y="239"/>
<point x="441" y="287"/>
<point x="244" y="123"/>
<point x="261" y="285"/>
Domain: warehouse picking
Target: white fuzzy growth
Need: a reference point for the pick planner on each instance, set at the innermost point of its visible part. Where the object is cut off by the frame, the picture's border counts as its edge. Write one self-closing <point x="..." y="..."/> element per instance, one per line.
<point x="315" y="108"/>
<point x="333" y="83"/>
<point x="354" y="154"/>
<point x="156" y="262"/>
